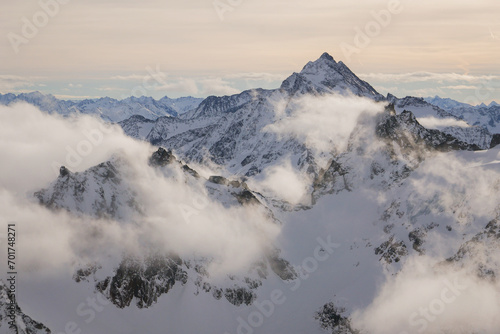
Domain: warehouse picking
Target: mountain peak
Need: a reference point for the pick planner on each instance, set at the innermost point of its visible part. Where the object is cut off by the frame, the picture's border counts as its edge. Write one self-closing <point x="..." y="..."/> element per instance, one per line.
<point x="325" y="75"/>
<point x="326" y="56"/>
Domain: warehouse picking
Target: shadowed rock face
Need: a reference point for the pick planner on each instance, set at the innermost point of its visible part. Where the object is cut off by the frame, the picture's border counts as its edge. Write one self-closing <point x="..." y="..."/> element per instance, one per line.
<point x="405" y="129"/>
<point x="162" y="158"/>
<point x="142" y="280"/>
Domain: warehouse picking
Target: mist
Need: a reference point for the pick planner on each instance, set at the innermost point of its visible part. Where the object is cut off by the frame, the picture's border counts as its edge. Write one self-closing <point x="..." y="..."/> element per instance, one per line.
<point x="432" y="122"/>
<point x="323" y="123"/>
<point x="429" y="294"/>
<point x="178" y="214"/>
<point x="424" y="298"/>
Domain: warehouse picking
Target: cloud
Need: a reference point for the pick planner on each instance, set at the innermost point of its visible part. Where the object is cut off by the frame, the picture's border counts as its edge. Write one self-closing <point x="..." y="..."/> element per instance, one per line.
<point x="217" y="86"/>
<point x="432" y="122"/>
<point x="412" y="77"/>
<point x="128" y="77"/>
<point x="199" y="87"/>
<point x="112" y="89"/>
<point x="180" y="215"/>
<point x="10" y="83"/>
<point x="254" y="76"/>
<point x="75" y="97"/>
<point x="460" y="87"/>
<point x="430" y="295"/>
<point x="423" y="298"/>
<point x="284" y="182"/>
<point x="323" y="123"/>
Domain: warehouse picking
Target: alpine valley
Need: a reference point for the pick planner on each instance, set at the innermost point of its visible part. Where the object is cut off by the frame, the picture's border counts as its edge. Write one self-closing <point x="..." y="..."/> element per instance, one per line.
<point x="317" y="207"/>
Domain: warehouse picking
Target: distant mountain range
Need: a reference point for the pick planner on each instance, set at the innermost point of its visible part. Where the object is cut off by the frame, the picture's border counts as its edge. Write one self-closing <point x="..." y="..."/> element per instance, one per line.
<point x="487" y="116"/>
<point x="107" y="108"/>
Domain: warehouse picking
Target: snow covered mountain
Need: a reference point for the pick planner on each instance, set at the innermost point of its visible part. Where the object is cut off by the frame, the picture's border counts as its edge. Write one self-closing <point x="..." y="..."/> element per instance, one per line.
<point x="325" y="75"/>
<point x="104" y="191"/>
<point x="240" y="132"/>
<point x="318" y="207"/>
<point x="433" y="117"/>
<point x="486" y="116"/>
<point x="449" y="104"/>
<point x="235" y="130"/>
<point x="107" y="108"/>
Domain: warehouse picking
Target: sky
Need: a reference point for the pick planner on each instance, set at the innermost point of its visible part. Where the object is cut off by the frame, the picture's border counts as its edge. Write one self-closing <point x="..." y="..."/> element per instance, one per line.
<point x="85" y="49"/>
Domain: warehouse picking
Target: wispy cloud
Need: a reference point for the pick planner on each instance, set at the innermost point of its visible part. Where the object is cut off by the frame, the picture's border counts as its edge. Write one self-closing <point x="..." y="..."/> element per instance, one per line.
<point x="199" y="86"/>
<point x="128" y="77"/>
<point x="12" y="83"/>
<point x="412" y="77"/>
<point x="75" y="97"/>
<point x="439" y="123"/>
<point x="111" y="89"/>
<point x="459" y="87"/>
<point x="254" y="76"/>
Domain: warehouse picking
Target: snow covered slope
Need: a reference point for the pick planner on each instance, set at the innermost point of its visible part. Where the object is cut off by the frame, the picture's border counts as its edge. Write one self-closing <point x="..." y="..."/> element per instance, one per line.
<point x="486" y="116"/>
<point x="433" y="117"/>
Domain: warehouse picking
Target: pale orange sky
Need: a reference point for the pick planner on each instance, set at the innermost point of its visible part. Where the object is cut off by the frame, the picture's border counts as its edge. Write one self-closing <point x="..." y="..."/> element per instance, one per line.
<point x="87" y="43"/>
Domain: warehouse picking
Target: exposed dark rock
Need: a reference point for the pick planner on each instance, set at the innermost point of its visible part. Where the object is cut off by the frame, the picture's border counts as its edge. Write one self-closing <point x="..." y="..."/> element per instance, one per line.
<point x="218" y="180"/>
<point x="333" y="318"/>
<point x="63" y="171"/>
<point x="143" y="279"/>
<point x="495" y="140"/>
<point x="391" y="250"/>
<point x="405" y="130"/>
<point x="246" y="197"/>
<point x="161" y="158"/>
<point x="239" y="296"/>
